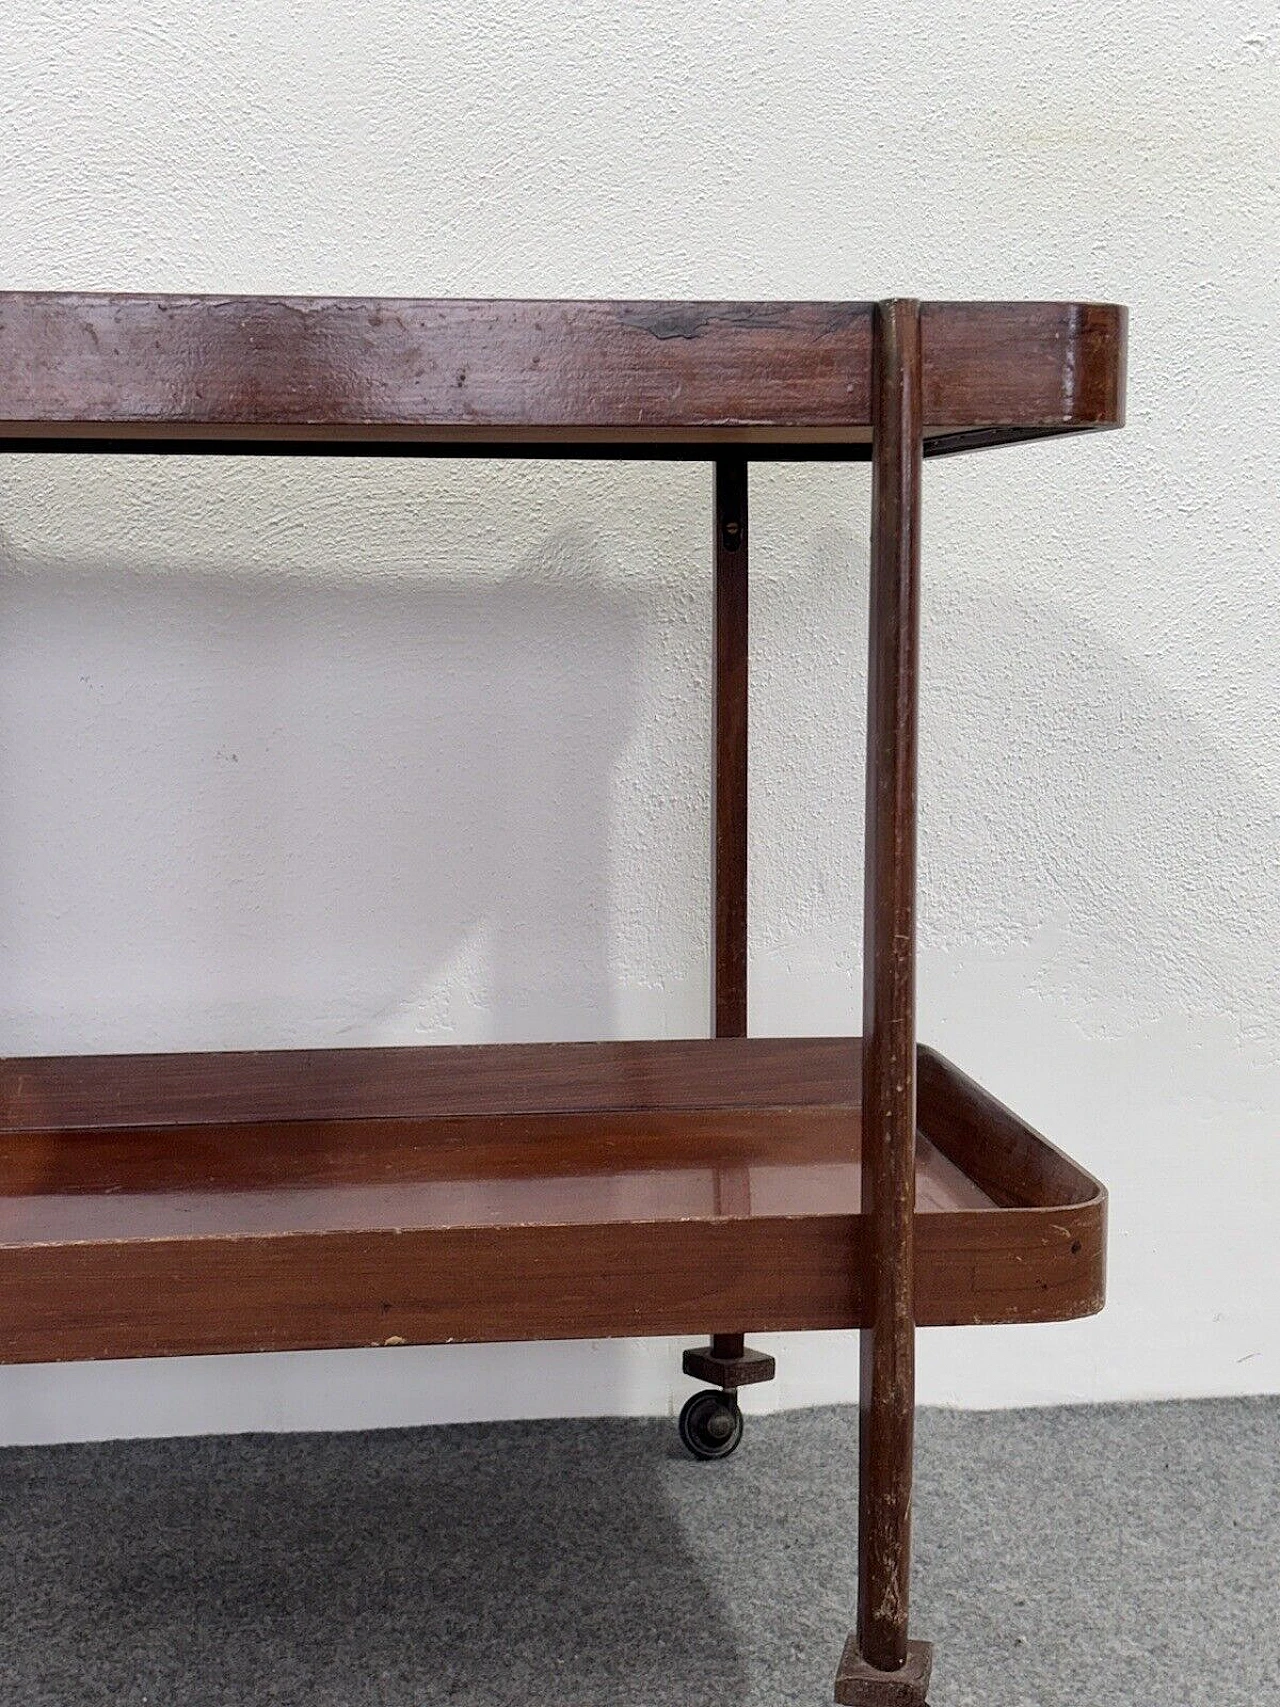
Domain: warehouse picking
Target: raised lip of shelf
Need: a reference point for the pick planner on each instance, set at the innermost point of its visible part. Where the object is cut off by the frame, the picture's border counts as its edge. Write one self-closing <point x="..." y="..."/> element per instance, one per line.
<point x="1037" y="1253"/>
<point x="342" y="375"/>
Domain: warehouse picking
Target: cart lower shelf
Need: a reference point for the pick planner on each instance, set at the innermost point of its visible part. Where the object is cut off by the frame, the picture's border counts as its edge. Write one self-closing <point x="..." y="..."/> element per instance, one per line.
<point x="172" y="1204"/>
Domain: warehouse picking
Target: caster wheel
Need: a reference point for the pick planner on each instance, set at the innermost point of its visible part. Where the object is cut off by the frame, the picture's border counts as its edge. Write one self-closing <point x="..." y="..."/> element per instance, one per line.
<point x="711" y="1424"/>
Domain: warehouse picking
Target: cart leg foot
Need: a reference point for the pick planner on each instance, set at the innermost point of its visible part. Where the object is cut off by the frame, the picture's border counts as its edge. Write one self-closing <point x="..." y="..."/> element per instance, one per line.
<point x="861" y="1685"/>
<point x="727" y="1363"/>
<point x="711" y="1423"/>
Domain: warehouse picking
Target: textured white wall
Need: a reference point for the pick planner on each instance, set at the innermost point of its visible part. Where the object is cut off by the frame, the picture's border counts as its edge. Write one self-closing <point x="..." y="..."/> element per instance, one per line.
<point x="310" y="753"/>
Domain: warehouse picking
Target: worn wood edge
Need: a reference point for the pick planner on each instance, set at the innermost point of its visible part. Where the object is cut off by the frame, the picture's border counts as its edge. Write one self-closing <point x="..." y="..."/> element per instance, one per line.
<point x="326" y="1291"/>
<point x="1044" y="1265"/>
<point x="278" y="1292"/>
<point x="974" y="1268"/>
<point x="861" y="1685"/>
<point x="985" y="1139"/>
<point x="1068" y="356"/>
<point x="1085" y="344"/>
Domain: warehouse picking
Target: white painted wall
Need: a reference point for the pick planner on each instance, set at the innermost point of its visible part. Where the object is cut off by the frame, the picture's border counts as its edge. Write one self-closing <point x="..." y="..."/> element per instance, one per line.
<point x="347" y="754"/>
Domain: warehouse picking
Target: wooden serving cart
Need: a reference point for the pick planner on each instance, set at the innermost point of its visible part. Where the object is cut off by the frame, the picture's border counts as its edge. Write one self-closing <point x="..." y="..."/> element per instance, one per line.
<point x="158" y="1205"/>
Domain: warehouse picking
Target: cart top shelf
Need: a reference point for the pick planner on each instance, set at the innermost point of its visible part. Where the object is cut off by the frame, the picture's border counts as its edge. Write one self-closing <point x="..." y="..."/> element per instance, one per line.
<point x="326" y="374"/>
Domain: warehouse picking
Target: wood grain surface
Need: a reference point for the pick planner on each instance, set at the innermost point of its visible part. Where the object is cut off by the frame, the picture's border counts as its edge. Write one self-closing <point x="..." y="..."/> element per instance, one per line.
<point x="887" y="1387"/>
<point x="489" y="374"/>
<point x="394" y="1200"/>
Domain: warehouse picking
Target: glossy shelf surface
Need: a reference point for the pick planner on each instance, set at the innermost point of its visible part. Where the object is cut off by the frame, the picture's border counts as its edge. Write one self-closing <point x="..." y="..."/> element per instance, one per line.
<point x="489" y="1192"/>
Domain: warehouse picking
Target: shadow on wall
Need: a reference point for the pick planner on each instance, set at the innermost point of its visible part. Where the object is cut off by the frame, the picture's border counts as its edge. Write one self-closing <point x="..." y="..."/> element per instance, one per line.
<point x="1070" y="788"/>
<point x="284" y="811"/>
<point x="1070" y="804"/>
<point x="279" y="811"/>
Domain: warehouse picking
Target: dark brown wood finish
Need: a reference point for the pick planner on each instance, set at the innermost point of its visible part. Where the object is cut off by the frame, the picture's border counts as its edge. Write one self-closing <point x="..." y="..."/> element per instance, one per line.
<point x="169" y="1296"/>
<point x="988" y="1141"/>
<point x="889" y="1059"/>
<point x="196" y="1215"/>
<point x="56" y="1093"/>
<point x="859" y="1684"/>
<point x="729" y="1363"/>
<point x="288" y="1200"/>
<point x="493" y="374"/>
<point x="730" y="549"/>
<point x="729" y="809"/>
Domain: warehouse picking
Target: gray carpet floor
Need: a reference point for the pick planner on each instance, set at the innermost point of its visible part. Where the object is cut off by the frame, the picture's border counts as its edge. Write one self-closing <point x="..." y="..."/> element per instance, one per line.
<point x="1102" y="1555"/>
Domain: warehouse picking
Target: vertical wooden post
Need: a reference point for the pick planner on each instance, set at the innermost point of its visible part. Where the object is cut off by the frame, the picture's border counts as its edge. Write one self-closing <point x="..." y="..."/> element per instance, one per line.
<point x="729" y="744"/>
<point x="880" y="1665"/>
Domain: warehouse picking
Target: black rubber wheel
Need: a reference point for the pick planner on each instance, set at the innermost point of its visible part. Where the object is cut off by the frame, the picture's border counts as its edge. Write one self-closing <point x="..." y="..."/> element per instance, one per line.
<point x="711" y="1424"/>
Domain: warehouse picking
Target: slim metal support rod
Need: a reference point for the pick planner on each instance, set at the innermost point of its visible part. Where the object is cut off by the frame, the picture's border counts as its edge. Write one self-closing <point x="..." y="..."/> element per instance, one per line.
<point x="729" y="745"/>
<point x="887" y="1399"/>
